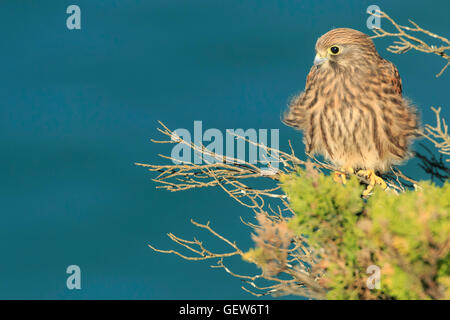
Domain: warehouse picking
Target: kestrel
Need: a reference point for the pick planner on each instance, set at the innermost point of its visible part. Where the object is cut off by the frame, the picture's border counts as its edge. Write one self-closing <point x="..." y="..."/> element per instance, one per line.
<point x="352" y="110"/>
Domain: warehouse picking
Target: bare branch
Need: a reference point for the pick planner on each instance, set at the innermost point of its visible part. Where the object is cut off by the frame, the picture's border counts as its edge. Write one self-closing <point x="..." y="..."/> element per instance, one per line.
<point x="288" y="266"/>
<point x="438" y="134"/>
<point x="407" y="41"/>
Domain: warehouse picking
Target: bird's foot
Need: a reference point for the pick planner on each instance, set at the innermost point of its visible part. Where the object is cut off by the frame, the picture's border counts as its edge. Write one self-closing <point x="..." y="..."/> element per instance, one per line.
<point x="373" y="180"/>
<point x="341" y="175"/>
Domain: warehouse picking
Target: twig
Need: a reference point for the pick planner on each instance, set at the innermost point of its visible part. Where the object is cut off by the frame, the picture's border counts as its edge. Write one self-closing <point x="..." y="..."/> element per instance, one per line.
<point x="406" y="41"/>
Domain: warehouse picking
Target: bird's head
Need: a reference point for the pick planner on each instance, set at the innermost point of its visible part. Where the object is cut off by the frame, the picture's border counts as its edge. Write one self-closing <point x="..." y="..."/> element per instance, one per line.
<point x="344" y="47"/>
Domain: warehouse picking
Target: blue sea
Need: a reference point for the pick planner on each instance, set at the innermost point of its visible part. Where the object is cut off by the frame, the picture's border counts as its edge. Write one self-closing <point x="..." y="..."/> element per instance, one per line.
<point x="78" y="109"/>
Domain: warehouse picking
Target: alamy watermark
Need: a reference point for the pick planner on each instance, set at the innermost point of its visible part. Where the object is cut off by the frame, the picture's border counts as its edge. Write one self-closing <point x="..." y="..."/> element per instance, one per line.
<point x="73" y="21"/>
<point x="74" y="280"/>
<point x="373" y="21"/>
<point x="374" y="281"/>
<point x="232" y="147"/>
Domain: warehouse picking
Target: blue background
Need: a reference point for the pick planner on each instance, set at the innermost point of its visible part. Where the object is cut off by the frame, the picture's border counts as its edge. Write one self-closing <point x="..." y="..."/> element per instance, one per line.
<point x="77" y="110"/>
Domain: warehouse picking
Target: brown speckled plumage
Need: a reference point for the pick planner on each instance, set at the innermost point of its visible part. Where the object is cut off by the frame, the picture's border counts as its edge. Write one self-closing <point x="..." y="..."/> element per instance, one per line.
<point x="352" y="110"/>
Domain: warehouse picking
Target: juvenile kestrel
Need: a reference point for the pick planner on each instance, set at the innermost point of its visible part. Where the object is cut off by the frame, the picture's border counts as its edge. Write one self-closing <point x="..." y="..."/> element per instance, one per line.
<point x="352" y="110"/>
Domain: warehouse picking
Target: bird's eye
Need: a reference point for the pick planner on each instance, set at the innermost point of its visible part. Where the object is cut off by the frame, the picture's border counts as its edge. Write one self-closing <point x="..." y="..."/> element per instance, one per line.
<point x="334" y="50"/>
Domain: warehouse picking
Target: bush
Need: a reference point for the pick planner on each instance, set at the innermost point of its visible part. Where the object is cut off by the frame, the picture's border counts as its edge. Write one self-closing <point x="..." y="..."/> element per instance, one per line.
<point x="405" y="235"/>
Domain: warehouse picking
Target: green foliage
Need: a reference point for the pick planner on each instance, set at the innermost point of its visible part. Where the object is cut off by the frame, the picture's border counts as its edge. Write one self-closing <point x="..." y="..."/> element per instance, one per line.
<point x="406" y="235"/>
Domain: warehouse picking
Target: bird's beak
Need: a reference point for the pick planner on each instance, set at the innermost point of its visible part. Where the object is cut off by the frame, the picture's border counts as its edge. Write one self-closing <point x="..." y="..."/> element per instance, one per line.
<point x="319" y="59"/>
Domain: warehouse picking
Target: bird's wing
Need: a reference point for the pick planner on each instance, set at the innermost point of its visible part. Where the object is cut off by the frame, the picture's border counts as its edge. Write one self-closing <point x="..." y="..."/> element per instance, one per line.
<point x="403" y="118"/>
<point x="391" y="75"/>
<point x="296" y="115"/>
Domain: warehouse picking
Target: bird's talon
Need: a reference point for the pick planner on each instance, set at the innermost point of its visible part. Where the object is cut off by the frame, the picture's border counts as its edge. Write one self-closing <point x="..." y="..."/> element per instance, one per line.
<point x="373" y="180"/>
<point x="380" y="182"/>
<point x="341" y="175"/>
<point x="368" y="190"/>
